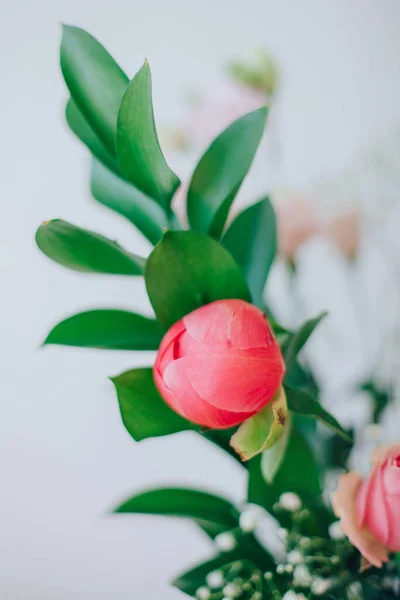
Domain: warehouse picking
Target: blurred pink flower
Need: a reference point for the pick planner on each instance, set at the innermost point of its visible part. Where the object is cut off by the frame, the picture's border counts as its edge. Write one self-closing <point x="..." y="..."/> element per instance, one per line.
<point x="344" y="231"/>
<point x="370" y="510"/>
<point x="217" y="108"/>
<point x="296" y="223"/>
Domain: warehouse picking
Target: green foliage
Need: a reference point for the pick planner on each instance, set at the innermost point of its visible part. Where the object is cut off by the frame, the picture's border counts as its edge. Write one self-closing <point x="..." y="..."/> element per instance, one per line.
<point x="81" y="128"/>
<point x="252" y="241"/>
<point x="95" y="81"/>
<point x="262" y="430"/>
<point x="297" y="341"/>
<point x="83" y="250"/>
<point x="143" y="411"/>
<point x="302" y="403"/>
<point x="139" y="150"/>
<point x="183" y="503"/>
<point x="187" y="270"/>
<point x="114" y="192"/>
<point x="220" y="172"/>
<point x="108" y="329"/>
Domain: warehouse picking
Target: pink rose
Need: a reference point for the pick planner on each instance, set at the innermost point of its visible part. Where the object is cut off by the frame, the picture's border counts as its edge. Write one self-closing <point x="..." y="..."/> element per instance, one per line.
<point x="370" y="510"/>
<point x="220" y="364"/>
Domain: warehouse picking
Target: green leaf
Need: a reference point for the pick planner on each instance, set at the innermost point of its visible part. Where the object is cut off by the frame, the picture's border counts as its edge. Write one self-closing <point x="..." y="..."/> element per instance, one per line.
<point x="119" y="195"/>
<point x="138" y="147"/>
<point x="95" y="81"/>
<point x="298" y="473"/>
<point x="252" y="239"/>
<point x="273" y="456"/>
<point x="263" y="430"/>
<point x="190" y="581"/>
<point x="220" y="172"/>
<point x="296" y="342"/>
<point x="302" y="403"/>
<point x="183" y="503"/>
<point x="81" y="128"/>
<point x="108" y="329"/>
<point x="187" y="270"/>
<point x="84" y="250"/>
<point x="143" y="411"/>
<point x="397" y="557"/>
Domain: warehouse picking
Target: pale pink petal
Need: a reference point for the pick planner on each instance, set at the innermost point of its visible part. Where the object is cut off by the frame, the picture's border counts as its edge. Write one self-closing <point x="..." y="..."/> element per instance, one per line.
<point x="229" y="324"/>
<point x="192" y="405"/>
<point x="344" y="506"/>
<point x="376" y="515"/>
<point x="239" y="380"/>
<point x="166" y="351"/>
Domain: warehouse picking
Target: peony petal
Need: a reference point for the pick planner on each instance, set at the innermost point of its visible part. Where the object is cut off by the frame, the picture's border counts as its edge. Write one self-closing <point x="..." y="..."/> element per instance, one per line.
<point x="166" y="351"/>
<point x="229" y="324"/>
<point x="376" y="517"/>
<point x="192" y="405"/>
<point x="344" y="506"/>
<point x="239" y="380"/>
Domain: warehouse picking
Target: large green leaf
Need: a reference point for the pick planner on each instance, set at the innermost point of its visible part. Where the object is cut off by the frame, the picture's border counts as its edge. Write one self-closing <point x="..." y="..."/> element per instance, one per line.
<point x="251" y="239"/>
<point x="262" y="430"/>
<point x="95" y="81"/>
<point x="81" y="128"/>
<point x="297" y="340"/>
<point x="302" y="403"/>
<point x="298" y="473"/>
<point x="143" y="411"/>
<point x="108" y="329"/>
<point x="119" y="195"/>
<point x="187" y="270"/>
<point x="220" y="172"/>
<point x="138" y="147"/>
<point x="84" y="250"/>
<point x="184" y="503"/>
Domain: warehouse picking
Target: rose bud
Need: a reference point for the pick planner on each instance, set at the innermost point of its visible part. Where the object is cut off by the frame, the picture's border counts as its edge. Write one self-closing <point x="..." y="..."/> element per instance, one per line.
<point x="220" y="364"/>
<point x="370" y="510"/>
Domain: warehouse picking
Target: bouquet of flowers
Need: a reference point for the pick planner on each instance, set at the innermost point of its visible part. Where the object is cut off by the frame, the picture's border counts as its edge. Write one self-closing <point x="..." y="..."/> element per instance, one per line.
<point x="225" y="368"/>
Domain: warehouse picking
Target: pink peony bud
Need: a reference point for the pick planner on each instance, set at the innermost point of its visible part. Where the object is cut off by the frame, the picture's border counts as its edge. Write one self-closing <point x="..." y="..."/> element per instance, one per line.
<point x="370" y="510"/>
<point x="220" y="364"/>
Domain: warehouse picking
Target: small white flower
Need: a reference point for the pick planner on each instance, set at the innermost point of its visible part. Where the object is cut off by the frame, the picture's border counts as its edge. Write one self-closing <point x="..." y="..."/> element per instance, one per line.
<point x="280" y="569"/>
<point x="283" y="534"/>
<point x="215" y="580"/>
<point x="231" y="590"/>
<point x="203" y="593"/>
<point x="291" y="595"/>
<point x="248" y="520"/>
<point x="268" y="576"/>
<point x="302" y="575"/>
<point x="335" y="531"/>
<point x="225" y="541"/>
<point x="320" y="586"/>
<point x="294" y="557"/>
<point x="290" y="501"/>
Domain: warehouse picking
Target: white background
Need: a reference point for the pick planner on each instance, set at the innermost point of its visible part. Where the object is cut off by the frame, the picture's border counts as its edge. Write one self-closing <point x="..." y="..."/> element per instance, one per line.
<point x="65" y="458"/>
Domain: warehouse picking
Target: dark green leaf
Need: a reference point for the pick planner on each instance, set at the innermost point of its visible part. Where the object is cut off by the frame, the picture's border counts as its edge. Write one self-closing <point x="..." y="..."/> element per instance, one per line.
<point x="184" y="503"/>
<point x="296" y="342"/>
<point x="84" y="250"/>
<point x="190" y="581"/>
<point x="117" y="194"/>
<point x="95" y="81"/>
<point x="138" y="147"/>
<point x="81" y="128"/>
<point x="187" y="270"/>
<point x="108" y="329"/>
<point x="302" y="403"/>
<point x="251" y="239"/>
<point x="220" y="172"/>
<point x="397" y="556"/>
<point x="143" y="411"/>
<point x="298" y="473"/>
